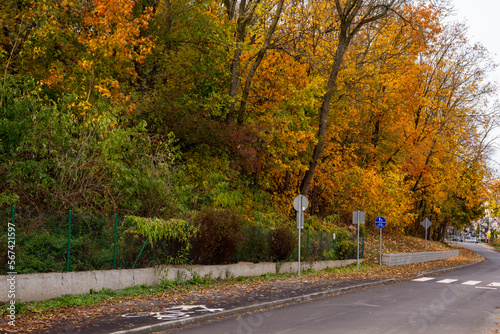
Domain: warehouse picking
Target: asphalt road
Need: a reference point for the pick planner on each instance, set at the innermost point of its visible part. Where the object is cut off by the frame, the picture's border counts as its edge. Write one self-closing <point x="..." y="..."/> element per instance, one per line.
<point x="461" y="301"/>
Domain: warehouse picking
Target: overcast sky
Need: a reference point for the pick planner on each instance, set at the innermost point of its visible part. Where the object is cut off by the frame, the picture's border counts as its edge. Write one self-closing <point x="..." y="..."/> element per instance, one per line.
<point x="481" y="16"/>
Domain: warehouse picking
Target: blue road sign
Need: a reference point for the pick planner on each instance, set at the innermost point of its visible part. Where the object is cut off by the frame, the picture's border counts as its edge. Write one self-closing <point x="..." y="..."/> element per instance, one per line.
<point x="380" y="222"/>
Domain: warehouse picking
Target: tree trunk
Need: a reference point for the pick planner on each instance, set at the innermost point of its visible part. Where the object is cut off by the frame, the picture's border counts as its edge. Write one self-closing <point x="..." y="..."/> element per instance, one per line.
<point x="325" y="109"/>
<point x="348" y="29"/>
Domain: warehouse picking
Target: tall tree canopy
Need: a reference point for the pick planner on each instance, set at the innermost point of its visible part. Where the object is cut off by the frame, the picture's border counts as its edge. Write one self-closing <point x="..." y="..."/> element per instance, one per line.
<point x="162" y="107"/>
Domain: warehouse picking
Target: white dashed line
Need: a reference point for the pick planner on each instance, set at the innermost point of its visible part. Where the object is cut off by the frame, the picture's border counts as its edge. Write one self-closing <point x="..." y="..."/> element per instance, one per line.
<point x="491" y="286"/>
<point x="471" y="282"/>
<point x="423" y="279"/>
<point x="446" y="281"/>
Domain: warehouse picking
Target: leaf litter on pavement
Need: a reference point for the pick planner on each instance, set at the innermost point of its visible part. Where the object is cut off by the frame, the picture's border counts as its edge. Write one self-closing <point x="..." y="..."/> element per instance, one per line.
<point x="226" y="292"/>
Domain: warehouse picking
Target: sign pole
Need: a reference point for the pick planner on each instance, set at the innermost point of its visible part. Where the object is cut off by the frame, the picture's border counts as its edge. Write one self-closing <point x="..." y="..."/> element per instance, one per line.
<point x="380" y="223"/>
<point x="426" y="239"/>
<point x="380" y="247"/>
<point x="358" y="217"/>
<point x="358" y="241"/>
<point x="298" y="274"/>
<point x="426" y="223"/>
<point x="300" y="204"/>
<point x="300" y="228"/>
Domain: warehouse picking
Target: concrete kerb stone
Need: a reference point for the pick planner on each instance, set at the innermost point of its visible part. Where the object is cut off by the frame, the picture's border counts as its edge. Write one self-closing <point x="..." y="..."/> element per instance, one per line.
<point x="441" y="270"/>
<point x="249" y="308"/>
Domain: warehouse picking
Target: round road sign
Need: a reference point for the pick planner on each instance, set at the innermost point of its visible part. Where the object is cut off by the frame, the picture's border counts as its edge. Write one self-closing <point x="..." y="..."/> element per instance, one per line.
<point x="300" y="203"/>
<point x="380" y="222"/>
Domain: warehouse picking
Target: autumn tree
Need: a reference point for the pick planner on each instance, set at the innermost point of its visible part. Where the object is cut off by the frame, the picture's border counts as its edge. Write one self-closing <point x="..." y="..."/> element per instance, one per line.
<point x="349" y="18"/>
<point x="255" y="22"/>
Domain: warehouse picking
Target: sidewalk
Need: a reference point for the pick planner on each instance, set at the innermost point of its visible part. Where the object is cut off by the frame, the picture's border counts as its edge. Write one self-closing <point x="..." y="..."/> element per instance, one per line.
<point x="176" y="309"/>
<point x="202" y="305"/>
<point x="150" y="313"/>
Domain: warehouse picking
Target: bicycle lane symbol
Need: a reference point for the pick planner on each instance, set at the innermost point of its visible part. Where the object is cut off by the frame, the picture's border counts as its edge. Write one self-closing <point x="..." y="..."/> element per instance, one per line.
<point x="174" y="313"/>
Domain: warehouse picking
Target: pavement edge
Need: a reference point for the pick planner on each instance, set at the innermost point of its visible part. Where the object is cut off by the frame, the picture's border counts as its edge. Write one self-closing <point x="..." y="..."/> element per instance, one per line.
<point x="249" y="308"/>
<point x="254" y="307"/>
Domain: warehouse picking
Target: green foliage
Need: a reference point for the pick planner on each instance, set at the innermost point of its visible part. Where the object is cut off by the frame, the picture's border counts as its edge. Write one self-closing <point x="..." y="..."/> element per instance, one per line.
<point x="220" y="236"/>
<point x="42" y="252"/>
<point x="97" y="166"/>
<point x="344" y="244"/>
<point x="255" y="244"/>
<point x="9" y="199"/>
<point x="42" y="240"/>
<point x="344" y="249"/>
<point x="20" y="100"/>
<point x="329" y="254"/>
<point x="156" y="230"/>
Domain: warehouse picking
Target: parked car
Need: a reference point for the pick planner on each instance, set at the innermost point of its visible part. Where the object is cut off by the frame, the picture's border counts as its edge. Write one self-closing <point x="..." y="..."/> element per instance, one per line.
<point x="471" y="239"/>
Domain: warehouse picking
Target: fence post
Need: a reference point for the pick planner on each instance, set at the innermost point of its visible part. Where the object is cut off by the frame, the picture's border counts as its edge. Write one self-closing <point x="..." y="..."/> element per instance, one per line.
<point x="153" y="257"/>
<point x="187" y="229"/>
<point x="321" y="245"/>
<point x="164" y="252"/>
<point x="307" y="247"/>
<point x="333" y="246"/>
<point x="362" y="246"/>
<point x="69" y="241"/>
<point x="116" y="238"/>
<point x="145" y="243"/>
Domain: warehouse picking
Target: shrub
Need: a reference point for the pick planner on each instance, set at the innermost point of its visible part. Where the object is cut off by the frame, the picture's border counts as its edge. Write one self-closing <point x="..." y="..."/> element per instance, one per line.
<point x="255" y="244"/>
<point x="40" y="252"/>
<point x="172" y="231"/>
<point x="344" y="249"/>
<point x="344" y="246"/>
<point x="282" y="243"/>
<point x="220" y="234"/>
<point x="496" y="242"/>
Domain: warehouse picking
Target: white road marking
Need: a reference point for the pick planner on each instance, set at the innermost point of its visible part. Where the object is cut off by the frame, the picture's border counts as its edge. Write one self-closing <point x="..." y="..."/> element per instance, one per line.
<point x="471" y="282"/>
<point x="446" y="281"/>
<point x="491" y="286"/>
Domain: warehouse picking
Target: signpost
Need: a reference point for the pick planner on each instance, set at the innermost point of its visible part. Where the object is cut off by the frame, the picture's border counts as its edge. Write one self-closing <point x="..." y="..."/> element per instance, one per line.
<point x="358" y="217"/>
<point x="426" y="223"/>
<point x="380" y="222"/>
<point x="300" y="204"/>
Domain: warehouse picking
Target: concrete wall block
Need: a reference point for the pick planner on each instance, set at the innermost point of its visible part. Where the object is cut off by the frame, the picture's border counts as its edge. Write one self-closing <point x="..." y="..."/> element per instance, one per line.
<point x="408" y="258"/>
<point x="37" y="287"/>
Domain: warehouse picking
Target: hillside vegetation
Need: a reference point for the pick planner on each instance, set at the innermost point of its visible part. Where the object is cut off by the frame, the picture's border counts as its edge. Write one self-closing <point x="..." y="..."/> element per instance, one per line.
<point x="168" y="108"/>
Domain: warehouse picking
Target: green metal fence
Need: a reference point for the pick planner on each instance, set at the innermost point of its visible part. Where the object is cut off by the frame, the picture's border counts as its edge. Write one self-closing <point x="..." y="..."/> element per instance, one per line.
<point x="74" y="241"/>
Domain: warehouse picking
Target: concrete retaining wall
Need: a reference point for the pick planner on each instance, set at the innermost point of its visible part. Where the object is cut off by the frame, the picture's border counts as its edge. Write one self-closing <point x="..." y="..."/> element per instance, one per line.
<point x="407" y="258"/>
<point x="36" y="287"/>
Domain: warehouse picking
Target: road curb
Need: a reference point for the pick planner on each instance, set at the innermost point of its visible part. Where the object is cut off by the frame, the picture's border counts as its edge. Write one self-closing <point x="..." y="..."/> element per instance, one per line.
<point x="249" y="308"/>
<point x="441" y="270"/>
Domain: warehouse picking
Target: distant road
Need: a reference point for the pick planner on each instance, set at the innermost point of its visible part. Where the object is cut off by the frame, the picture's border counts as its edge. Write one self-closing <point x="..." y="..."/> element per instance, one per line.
<point x="461" y="301"/>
